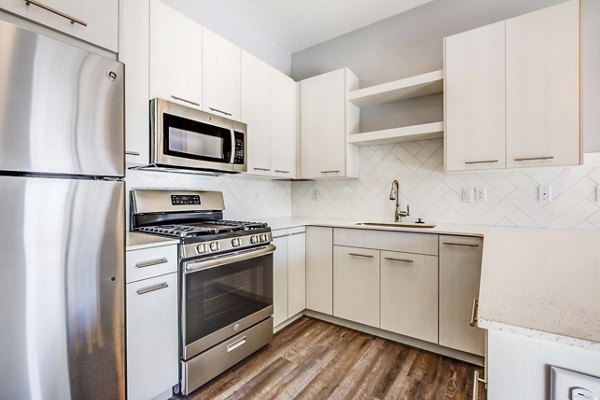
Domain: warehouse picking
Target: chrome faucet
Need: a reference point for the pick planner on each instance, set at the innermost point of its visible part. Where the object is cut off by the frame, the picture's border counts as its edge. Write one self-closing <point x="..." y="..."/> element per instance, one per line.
<point x="395" y="195"/>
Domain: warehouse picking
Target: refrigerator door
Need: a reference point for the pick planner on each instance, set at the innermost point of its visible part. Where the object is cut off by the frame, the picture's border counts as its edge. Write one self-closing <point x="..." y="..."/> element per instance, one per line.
<point x="61" y="289"/>
<point x="61" y="108"/>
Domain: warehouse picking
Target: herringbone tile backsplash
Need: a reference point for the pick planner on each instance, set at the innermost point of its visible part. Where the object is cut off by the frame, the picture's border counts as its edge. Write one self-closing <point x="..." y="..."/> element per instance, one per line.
<point x="436" y="196"/>
<point x="431" y="194"/>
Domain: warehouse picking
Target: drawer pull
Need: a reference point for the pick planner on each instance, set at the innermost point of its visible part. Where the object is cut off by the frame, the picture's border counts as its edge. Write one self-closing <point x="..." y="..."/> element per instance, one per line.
<point x="331" y="172"/>
<point x="474" y="308"/>
<point x="239" y="343"/>
<point x="186" y="101"/>
<point x="481" y="162"/>
<point x="220" y="111"/>
<point x="152" y="288"/>
<point x="461" y="244"/>
<point x="282" y="172"/>
<point x="535" y="158"/>
<point x="55" y="11"/>
<point x="406" y="260"/>
<point x="361" y="255"/>
<point x="132" y="153"/>
<point x="150" y="263"/>
<point x="261" y="169"/>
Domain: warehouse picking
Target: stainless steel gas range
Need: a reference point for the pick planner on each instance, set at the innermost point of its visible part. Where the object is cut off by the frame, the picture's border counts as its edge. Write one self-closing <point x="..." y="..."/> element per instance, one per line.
<point x="225" y="277"/>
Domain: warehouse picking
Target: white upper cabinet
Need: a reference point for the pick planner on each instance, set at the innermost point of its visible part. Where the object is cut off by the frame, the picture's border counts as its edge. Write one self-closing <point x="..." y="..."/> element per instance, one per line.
<point x="134" y="52"/>
<point x="93" y="21"/>
<point x="175" y="56"/>
<point x="283" y="125"/>
<point x="542" y="87"/>
<point x="474" y="97"/>
<point x="256" y="113"/>
<point x="221" y="76"/>
<point x="326" y="119"/>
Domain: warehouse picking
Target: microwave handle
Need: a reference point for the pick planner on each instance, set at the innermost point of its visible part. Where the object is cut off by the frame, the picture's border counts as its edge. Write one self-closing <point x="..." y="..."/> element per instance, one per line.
<point x="231" y="160"/>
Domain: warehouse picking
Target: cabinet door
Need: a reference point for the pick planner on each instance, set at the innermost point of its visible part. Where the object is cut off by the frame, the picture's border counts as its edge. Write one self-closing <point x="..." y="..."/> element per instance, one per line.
<point x="474" y="99"/>
<point x="283" y="125"/>
<point x="323" y="125"/>
<point x="134" y="52"/>
<point x="152" y="336"/>
<point x="101" y="18"/>
<point x="280" y="279"/>
<point x="221" y="75"/>
<point x="409" y="295"/>
<point x="256" y="113"/>
<point x="175" y="56"/>
<point x="460" y="270"/>
<point x="319" y="269"/>
<point x="296" y="273"/>
<point x="542" y="87"/>
<point x="356" y="284"/>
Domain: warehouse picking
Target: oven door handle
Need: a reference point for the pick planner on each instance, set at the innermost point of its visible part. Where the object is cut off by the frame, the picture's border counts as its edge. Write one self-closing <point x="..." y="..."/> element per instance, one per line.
<point x="190" y="268"/>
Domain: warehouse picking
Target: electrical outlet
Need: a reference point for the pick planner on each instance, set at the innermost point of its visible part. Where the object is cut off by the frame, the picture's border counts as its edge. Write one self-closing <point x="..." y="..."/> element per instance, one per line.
<point x="467" y="195"/>
<point x="571" y="385"/>
<point x="544" y="193"/>
<point x="315" y="195"/>
<point x="481" y="194"/>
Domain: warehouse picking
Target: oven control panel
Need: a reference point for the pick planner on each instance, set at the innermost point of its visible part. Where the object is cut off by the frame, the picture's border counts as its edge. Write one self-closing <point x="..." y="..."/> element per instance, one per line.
<point x="224" y="245"/>
<point x="179" y="200"/>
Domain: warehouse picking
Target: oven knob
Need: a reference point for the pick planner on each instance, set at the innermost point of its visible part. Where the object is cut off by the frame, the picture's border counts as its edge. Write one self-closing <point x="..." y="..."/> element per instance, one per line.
<point x="235" y="242"/>
<point x="254" y="239"/>
<point x="214" y="246"/>
<point x="263" y="238"/>
<point x="201" y="248"/>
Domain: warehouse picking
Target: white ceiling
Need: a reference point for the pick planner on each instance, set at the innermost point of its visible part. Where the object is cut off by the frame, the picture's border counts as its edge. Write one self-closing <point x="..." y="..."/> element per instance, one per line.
<point x="299" y="24"/>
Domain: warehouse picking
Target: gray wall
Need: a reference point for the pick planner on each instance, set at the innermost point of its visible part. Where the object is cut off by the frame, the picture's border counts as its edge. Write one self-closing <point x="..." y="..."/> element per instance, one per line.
<point x="411" y="43"/>
<point x="215" y="17"/>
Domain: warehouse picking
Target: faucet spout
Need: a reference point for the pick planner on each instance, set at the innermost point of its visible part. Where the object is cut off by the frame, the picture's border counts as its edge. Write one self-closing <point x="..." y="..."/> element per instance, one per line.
<point x="395" y="195"/>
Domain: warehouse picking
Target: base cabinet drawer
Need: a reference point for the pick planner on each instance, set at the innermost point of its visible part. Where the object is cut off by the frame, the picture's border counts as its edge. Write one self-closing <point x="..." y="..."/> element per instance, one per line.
<point x="356" y="284"/>
<point x="152" y="336"/>
<point x="407" y="242"/>
<point x="153" y="261"/>
<point x="409" y="295"/>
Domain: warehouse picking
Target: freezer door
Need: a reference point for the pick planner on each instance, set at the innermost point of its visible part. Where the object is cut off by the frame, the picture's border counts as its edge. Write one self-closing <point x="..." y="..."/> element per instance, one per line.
<point x="61" y="108"/>
<point x="61" y="289"/>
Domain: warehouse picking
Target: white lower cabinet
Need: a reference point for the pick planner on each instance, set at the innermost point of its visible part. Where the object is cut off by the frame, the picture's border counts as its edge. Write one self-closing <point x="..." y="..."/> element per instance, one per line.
<point x="289" y="272"/>
<point x="460" y="271"/>
<point x="409" y="295"/>
<point x="151" y="322"/>
<point x="152" y="336"/>
<point x="319" y="269"/>
<point x="356" y="277"/>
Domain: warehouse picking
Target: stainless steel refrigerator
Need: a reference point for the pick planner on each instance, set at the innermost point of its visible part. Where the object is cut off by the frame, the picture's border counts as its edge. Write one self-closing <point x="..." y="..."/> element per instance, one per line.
<point x="61" y="220"/>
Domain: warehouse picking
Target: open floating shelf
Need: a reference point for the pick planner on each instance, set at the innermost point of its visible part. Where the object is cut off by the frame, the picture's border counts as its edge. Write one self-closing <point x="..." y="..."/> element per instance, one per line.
<point x="433" y="130"/>
<point x="402" y="89"/>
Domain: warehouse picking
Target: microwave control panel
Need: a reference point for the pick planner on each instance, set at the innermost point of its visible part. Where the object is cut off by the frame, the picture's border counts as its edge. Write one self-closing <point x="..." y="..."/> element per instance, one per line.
<point x="238" y="157"/>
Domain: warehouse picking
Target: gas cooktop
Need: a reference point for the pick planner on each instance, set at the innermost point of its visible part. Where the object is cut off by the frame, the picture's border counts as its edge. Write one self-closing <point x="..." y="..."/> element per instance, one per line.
<point x="202" y="228"/>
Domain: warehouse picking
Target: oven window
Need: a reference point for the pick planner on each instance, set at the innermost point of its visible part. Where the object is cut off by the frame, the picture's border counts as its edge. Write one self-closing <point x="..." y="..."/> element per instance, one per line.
<point x="197" y="140"/>
<point x="217" y="297"/>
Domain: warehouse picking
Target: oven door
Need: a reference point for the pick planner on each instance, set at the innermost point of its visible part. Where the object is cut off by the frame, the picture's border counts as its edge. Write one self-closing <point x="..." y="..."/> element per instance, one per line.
<point x="185" y="137"/>
<point x="224" y="295"/>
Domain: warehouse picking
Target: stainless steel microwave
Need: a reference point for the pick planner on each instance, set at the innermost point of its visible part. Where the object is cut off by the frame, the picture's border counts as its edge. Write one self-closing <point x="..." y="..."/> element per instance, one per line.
<point x="186" y="138"/>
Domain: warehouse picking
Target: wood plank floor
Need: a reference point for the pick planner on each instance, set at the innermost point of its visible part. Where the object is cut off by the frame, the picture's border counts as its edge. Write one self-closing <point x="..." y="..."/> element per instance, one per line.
<point x="312" y="359"/>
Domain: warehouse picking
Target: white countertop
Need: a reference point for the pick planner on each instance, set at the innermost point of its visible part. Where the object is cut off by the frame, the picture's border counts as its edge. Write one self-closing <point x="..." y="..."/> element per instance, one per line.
<point x="136" y="241"/>
<point x="541" y="281"/>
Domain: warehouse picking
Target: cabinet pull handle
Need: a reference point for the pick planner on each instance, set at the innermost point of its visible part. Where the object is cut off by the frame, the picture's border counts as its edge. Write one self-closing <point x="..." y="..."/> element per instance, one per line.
<point x="55" y="11"/>
<point x="282" y="172"/>
<point x="152" y="288"/>
<point x="220" y="111"/>
<point x="361" y="255"/>
<point x="150" y="263"/>
<point x="132" y="153"/>
<point x="461" y="244"/>
<point x="236" y="344"/>
<point x="406" y="260"/>
<point x="476" y="381"/>
<point x="185" y="101"/>
<point x="331" y="172"/>
<point x="261" y="169"/>
<point x="474" y="308"/>
<point x="535" y="158"/>
<point x="481" y="162"/>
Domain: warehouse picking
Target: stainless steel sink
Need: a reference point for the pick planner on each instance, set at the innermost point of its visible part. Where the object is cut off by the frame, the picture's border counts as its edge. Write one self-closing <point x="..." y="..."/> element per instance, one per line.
<point x="396" y="225"/>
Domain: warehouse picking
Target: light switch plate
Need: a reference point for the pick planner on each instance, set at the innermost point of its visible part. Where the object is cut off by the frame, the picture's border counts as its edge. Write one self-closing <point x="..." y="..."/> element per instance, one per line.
<point x="467" y="195"/>
<point x="571" y="385"/>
